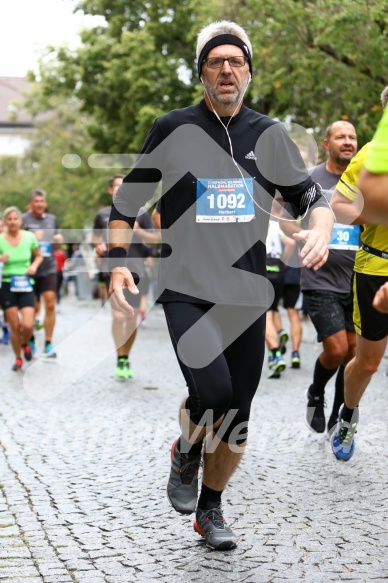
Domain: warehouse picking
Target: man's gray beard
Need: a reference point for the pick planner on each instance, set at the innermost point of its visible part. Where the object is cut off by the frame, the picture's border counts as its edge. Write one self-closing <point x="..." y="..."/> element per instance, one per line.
<point x="224" y="100"/>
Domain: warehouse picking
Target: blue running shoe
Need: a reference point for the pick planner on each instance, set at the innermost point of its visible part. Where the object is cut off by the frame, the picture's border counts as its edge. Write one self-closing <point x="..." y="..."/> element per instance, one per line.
<point x="271" y="360"/>
<point x="6" y="337"/>
<point x="276" y="365"/>
<point x="342" y="439"/>
<point x="49" y="351"/>
<point x="31" y="344"/>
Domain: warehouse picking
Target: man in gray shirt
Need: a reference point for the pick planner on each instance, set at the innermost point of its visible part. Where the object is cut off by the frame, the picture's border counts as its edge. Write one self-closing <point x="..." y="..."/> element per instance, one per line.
<point x="327" y="291"/>
<point x="44" y="225"/>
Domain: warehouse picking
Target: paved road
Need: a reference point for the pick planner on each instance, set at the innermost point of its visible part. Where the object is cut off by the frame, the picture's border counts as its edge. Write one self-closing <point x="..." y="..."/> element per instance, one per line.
<point x="84" y="462"/>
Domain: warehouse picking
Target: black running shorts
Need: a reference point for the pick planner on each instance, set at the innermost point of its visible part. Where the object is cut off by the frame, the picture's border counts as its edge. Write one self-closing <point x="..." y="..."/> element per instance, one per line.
<point x="369" y="323"/>
<point x="330" y="312"/>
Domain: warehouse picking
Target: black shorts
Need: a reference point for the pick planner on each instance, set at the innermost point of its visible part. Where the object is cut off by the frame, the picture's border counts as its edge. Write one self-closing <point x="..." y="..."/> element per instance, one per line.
<point x="369" y="323"/>
<point x="277" y="280"/>
<point x="329" y="312"/>
<point x="9" y="299"/>
<point x="292" y="296"/>
<point x="45" y="283"/>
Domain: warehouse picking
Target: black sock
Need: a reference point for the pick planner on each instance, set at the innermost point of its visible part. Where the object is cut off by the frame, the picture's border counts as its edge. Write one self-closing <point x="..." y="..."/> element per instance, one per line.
<point x="32" y="338"/>
<point x="321" y="377"/>
<point x="347" y="414"/>
<point x="339" y="391"/>
<point x="273" y="351"/>
<point x="122" y="358"/>
<point x="209" y="498"/>
<point x="187" y="448"/>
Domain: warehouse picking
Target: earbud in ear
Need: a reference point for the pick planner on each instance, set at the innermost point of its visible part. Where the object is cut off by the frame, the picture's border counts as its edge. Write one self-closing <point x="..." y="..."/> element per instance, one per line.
<point x="201" y="80"/>
<point x="250" y="78"/>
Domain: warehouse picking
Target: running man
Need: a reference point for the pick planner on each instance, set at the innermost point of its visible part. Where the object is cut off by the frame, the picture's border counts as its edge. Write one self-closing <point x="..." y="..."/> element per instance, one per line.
<point x="124" y="325"/>
<point x="214" y="215"/>
<point x="370" y="276"/>
<point x="328" y="291"/>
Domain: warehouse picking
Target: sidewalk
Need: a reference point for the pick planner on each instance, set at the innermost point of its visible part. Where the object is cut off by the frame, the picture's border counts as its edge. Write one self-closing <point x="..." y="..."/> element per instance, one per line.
<point x="84" y="462"/>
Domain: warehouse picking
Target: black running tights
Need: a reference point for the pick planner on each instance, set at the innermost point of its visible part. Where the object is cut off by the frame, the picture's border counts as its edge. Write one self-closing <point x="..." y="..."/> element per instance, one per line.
<point x="227" y="384"/>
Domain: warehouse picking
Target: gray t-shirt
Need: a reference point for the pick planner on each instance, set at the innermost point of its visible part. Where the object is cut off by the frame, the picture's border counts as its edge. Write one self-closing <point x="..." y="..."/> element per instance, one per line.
<point x="49" y="226"/>
<point x="336" y="274"/>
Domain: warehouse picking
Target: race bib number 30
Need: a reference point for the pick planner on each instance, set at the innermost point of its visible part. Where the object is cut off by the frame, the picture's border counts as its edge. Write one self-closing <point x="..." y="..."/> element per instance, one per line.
<point x="345" y="237"/>
<point x="224" y="201"/>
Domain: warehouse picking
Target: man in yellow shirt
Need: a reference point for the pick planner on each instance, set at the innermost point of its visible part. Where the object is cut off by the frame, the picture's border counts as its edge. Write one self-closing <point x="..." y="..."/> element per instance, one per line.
<point x="370" y="273"/>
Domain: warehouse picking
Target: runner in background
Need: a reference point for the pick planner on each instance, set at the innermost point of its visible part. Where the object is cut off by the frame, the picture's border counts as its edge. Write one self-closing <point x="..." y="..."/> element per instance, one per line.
<point x="17" y="246"/>
<point x="44" y="226"/>
<point x="327" y="292"/>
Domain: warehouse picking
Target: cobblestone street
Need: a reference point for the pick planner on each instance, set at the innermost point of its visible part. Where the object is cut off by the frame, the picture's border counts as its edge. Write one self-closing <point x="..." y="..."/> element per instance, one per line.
<point x="84" y="462"/>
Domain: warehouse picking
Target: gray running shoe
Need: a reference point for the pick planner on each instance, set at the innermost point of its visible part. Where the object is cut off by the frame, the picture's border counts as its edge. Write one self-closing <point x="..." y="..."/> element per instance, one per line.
<point x="211" y="525"/>
<point x="182" y="487"/>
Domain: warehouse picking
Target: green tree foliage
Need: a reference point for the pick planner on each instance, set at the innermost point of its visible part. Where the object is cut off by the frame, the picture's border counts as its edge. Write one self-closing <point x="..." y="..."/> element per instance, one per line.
<point x="321" y="60"/>
<point x="127" y="73"/>
<point x="315" y="61"/>
<point x="73" y="194"/>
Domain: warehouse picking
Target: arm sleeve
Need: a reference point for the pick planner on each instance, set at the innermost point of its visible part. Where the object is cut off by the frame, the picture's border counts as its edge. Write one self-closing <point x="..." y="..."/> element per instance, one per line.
<point x="281" y="163"/>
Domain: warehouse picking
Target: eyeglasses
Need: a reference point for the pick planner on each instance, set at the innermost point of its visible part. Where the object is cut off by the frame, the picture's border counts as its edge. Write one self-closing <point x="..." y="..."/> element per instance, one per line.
<point x="218" y="62"/>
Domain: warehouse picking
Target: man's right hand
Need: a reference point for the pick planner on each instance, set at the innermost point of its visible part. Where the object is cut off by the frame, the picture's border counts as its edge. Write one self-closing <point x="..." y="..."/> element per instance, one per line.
<point x="120" y="278"/>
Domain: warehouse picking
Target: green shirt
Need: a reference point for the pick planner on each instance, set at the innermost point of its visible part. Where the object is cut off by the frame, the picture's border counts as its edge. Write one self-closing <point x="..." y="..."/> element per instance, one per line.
<point x="19" y="257"/>
<point x="377" y="158"/>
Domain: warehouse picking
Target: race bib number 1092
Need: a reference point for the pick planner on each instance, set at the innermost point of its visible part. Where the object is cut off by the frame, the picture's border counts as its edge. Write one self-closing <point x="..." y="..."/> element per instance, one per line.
<point x="224" y="200"/>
